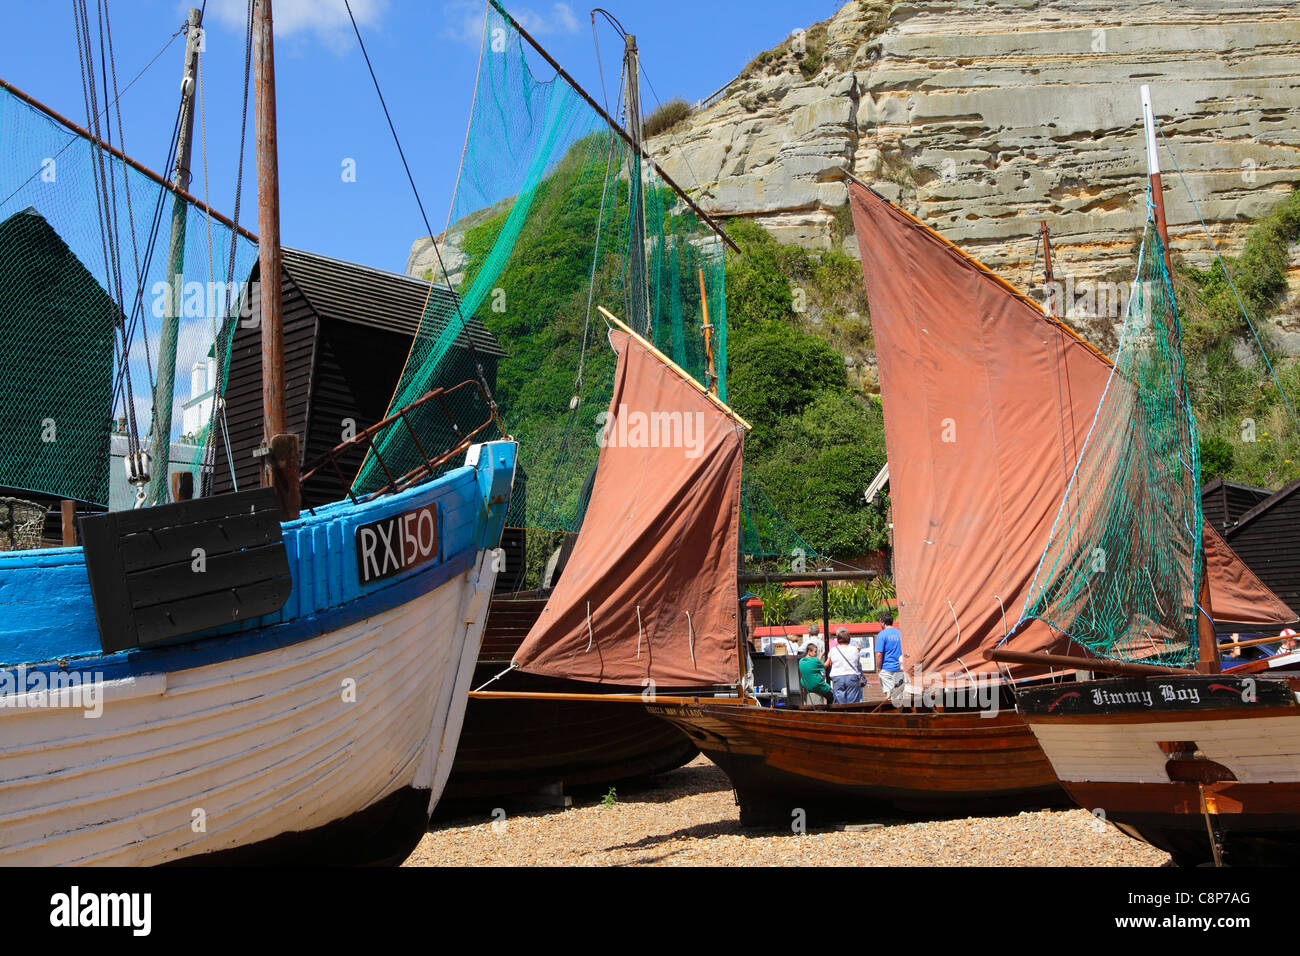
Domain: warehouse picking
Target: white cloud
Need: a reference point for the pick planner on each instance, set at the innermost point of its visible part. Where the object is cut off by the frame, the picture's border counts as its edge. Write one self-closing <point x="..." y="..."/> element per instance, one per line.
<point x="327" y="20"/>
<point x="559" y="19"/>
<point x="464" y="20"/>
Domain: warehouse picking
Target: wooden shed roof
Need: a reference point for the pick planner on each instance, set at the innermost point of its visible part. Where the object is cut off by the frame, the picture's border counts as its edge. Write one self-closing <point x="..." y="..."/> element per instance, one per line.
<point x="349" y="292"/>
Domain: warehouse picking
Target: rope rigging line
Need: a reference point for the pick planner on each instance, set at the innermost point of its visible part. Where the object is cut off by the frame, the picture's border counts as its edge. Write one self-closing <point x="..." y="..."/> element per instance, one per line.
<point x="464" y="324"/>
<point x="1214" y="246"/>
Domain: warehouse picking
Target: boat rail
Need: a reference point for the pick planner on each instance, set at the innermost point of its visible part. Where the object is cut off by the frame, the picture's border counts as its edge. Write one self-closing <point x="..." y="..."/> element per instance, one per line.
<point x="430" y="463"/>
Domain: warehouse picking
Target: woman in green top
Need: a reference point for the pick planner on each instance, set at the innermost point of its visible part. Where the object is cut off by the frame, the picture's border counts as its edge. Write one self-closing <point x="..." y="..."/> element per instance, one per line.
<point x="812" y="677"/>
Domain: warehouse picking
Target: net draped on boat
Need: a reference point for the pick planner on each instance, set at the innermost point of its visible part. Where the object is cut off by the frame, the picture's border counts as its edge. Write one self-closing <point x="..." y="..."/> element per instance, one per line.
<point x="1122" y="571"/>
<point x="543" y="228"/>
<point x="84" y="255"/>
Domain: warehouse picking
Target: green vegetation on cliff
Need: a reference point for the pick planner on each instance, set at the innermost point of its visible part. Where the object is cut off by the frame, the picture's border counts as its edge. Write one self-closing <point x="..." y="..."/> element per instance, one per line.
<point x="817" y="441"/>
<point x="1247" y="434"/>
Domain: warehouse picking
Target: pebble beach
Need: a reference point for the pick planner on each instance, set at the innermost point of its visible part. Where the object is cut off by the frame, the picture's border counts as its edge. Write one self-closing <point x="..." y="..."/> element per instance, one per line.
<point x="688" y="817"/>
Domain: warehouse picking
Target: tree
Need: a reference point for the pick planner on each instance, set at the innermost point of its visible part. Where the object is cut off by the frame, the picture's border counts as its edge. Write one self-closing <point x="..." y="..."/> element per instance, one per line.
<point x="776" y="371"/>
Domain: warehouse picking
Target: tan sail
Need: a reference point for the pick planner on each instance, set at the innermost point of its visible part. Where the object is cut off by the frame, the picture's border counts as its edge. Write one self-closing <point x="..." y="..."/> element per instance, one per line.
<point x="987" y="403"/>
<point x="1239" y="596"/>
<point x="650" y="591"/>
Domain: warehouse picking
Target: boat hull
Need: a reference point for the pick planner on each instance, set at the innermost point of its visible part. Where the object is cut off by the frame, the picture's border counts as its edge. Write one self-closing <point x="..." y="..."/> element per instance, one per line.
<point x="512" y="747"/>
<point x="835" y="764"/>
<point x="1184" y="773"/>
<point x="306" y="735"/>
<point x="242" y="757"/>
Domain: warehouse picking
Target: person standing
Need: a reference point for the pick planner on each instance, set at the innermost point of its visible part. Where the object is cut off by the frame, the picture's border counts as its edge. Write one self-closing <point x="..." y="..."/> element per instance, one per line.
<point x="812" y="676"/>
<point x="846" y="669"/>
<point x="889" y="661"/>
<point x="814" y="637"/>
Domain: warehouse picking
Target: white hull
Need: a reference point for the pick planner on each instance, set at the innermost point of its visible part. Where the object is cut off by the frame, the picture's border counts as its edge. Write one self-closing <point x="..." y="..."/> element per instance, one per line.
<point x="229" y="754"/>
<point x="1264" y="749"/>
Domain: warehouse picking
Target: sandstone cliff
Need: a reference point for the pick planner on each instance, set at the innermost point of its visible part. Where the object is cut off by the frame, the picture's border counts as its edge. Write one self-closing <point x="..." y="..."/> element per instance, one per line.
<point x="983" y="117"/>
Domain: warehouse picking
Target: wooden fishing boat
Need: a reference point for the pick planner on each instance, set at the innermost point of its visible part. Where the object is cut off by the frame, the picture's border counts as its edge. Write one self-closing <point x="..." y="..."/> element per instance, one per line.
<point x="225" y="679"/>
<point x="986" y="400"/>
<point x="860" y="759"/>
<point x="520" y="745"/>
<point x="1202" y="764"/>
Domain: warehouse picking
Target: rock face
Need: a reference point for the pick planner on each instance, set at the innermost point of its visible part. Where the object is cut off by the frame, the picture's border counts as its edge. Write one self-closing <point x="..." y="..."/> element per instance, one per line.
<point x="983" y="117"/>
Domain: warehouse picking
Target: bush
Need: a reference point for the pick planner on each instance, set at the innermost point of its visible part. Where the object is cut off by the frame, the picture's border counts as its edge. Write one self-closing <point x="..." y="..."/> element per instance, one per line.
<point x="675" y="111"/>
<point x="758" y="292"/>
<point x="776" y="373"/>
<point x="1216" y="458"/>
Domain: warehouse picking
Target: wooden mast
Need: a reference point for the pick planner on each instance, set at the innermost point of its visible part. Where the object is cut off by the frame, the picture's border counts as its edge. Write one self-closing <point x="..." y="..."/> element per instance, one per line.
<point x="1047" y="267"/>
<point x="164" y="389"/>
<point x="1207" y="642"/>
<point x="707" y="329"/>
<point x="640" y="287"/>
<point x="279" y="449"/>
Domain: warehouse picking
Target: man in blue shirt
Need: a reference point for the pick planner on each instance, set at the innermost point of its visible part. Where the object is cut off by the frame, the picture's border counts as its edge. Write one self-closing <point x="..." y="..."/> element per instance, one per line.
<point x="889" y="661"/>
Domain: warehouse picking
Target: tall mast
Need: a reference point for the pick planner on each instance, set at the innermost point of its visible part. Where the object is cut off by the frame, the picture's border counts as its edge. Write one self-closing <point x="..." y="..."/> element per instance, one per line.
<point x="1207" y="643"/>
<point x="164" y="388"/>
<point x="279" y="449"/>
<point x="638" y="287"/>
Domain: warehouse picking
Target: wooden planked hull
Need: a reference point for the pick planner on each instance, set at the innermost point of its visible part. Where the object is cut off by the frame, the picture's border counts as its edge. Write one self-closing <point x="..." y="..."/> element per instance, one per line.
<point x="830" y="763"/>
<point x="1174" y="766"/>
<point x="230" y="757"/>
<point x="320" y="733"/>
<point x="521" y="746"/>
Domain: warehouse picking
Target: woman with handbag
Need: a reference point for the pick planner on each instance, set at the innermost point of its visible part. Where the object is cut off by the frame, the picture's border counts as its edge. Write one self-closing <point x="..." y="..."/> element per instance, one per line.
<point x="846" y="669"/>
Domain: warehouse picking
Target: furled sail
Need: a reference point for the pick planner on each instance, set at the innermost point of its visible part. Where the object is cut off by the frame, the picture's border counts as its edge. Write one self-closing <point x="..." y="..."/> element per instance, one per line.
<point x="987" y="404"/>
<point x="650" y="591"/>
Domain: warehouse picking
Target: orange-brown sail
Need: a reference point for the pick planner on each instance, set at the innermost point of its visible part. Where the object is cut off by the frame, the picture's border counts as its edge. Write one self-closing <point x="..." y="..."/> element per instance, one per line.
<point x="650" y="590"/>
<point x="987" y="403"/>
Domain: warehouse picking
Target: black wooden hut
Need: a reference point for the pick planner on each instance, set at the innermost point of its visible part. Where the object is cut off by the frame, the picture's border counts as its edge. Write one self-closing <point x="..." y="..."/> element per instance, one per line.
<point x="1267" y="537"/>
<point x="56" y="355"/>
<point x="347" y="331"/>
<point x="1224" y="502"/>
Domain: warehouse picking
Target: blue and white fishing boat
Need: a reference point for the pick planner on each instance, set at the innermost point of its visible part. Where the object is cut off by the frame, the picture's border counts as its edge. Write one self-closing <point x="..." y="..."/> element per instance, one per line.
<point x="223" y="679"/>
<point x="322" y="732"/>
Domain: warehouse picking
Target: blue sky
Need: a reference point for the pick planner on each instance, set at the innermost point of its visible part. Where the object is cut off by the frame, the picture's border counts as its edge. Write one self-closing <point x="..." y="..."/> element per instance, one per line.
<point x="425" y="53"/>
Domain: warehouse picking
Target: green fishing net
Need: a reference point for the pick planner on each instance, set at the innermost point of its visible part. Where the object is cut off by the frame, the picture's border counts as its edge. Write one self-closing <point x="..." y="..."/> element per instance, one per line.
<point x="1122" y="572"/>
<point x="80" y="260"/>
<point x="542" y="230"/>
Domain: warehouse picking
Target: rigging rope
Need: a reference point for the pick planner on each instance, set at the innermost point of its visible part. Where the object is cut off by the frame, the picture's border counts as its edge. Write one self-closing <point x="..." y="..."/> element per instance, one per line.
<point x="464" y="324"/>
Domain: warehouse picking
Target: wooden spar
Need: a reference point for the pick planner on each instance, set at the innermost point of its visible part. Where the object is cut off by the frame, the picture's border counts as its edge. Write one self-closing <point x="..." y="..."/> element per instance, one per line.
<point x="708" y="335"/>
<point x="675" y="367"/>
<point x="122" y="157"/>
<point x="165" y="387"/>
<point x="1233" y="645"/>
<point x="1003" y="656"/>
<point x="617" y="129"/>
<point x="282" y="461"/>
<point x="1047" y="266"/>
<point x="1153" y="176"/>
<point x="1207" y="641"/>
<point x="604" y="698"/>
